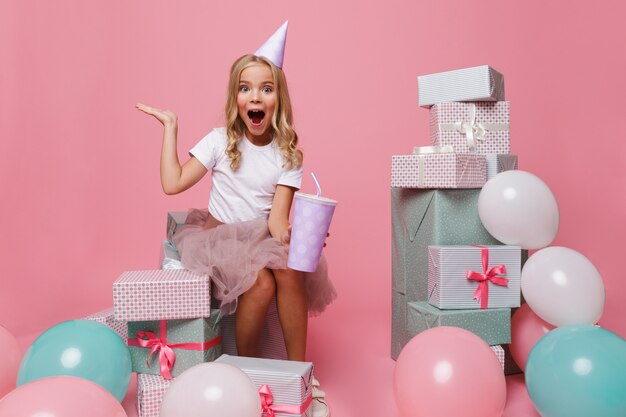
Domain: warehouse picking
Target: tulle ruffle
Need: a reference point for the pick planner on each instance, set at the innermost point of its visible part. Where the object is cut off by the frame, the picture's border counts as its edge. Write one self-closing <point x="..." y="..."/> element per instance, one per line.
<point x="233" y="254"/>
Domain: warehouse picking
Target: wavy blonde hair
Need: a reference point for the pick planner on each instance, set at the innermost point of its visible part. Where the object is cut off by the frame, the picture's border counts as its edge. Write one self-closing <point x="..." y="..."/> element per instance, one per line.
<point x="282" y="119"/>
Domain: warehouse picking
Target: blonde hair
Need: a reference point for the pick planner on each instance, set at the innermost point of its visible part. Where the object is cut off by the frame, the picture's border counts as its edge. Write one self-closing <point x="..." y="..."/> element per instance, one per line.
<point x="282" y="119"/>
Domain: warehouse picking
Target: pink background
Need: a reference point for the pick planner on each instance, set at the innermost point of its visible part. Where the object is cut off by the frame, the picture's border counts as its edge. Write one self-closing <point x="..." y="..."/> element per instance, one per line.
<point x="81" y="198"/>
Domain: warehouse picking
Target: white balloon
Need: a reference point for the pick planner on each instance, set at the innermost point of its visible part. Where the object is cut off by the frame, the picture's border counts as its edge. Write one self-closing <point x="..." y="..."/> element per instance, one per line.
<point x="563" y="287"/>
<point x="211" y="389"/>
<point x="518" y="208"/>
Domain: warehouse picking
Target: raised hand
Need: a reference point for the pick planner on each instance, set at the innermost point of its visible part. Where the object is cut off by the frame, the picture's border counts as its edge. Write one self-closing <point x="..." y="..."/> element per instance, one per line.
<point x="166" y="117"/>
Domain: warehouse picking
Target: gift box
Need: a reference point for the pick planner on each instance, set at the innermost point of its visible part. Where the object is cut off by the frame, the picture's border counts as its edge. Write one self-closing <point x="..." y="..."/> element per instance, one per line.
<point x="438" y="170"/>
<point x="150" y="392"/>
<point x="510" y="367"/>
<point x="169" y="347"/>
<point x="430" y="217"/>
<point x="481" y="83"/>
<point x="287" y="382"/>
<point x="161" y="295"/>
<point x="175" y="219"/>
<point x="106" y="317"/>
<point x="500" y="163"/>
<point x="399" y="327"/>
<point x="170" y="258"/>
<point x="499" y="352"/>
<point x="272" y="342"/>
<point x="492" y="325"/>
<point x="467" y="277"/>
<point x="471" y="127"/>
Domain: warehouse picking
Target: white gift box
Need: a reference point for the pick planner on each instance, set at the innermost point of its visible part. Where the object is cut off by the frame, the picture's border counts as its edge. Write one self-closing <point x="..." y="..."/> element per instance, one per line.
<point x="290" y="382"/>
<point x="481" y="83"/>
<point x="170" y="258"/>
<point x="449" y="287"/>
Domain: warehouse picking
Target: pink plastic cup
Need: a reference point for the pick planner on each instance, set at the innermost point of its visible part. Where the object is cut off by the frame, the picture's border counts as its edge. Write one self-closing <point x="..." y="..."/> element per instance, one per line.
<point x="311" y="220"/>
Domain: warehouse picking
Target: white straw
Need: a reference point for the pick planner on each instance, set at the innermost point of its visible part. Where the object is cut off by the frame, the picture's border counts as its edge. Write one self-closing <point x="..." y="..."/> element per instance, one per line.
<point x="317" y="184"/>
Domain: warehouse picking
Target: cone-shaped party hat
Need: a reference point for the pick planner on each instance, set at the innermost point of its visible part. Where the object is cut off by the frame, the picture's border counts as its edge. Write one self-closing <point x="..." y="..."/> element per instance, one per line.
<point x="274" y="47"/>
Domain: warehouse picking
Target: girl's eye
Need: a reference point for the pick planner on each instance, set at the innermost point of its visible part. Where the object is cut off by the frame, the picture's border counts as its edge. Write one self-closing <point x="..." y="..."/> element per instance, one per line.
<point x="243" y="88"/>
<point x="267" y="90"/>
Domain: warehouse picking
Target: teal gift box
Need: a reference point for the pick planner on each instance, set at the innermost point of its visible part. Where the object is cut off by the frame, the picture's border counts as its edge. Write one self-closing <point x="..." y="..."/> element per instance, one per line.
<point x="492" y="325"/>
<point x="192" y="341"/>
<point x="175" y="219"/>
<point x="423" y="217"/>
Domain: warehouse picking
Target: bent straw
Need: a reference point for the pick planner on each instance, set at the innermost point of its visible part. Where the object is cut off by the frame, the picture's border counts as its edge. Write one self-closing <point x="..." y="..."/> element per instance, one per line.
<point x="317" y="184"/>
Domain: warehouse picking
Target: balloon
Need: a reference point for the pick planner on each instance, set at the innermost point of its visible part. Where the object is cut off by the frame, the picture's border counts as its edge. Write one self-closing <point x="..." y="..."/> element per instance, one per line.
<point x="81" y="348"/>
<point x="563" y="287"/>
<point x="449" y="371"/>
<point x="526" y="330"/>
<point x="212" y="389"/>
<point x="578" y="371"/>
<point x="9" y="361"/>
<point x="518" y="208"/>
<point x="60" y="396"/>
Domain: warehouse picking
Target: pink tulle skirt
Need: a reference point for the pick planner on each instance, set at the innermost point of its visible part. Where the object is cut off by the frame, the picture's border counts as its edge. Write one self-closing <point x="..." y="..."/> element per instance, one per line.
<point x="233" y="254"/>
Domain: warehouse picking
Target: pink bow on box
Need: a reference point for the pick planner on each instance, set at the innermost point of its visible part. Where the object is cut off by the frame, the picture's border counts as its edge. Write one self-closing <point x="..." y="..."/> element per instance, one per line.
<point x="270" y="409"/>
<point x="488" y="274"/>
<point x="167" y="357"/>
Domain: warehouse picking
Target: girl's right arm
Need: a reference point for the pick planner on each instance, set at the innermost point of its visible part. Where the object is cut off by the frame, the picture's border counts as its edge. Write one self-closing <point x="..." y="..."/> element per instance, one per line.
<point x="175" y="178"/>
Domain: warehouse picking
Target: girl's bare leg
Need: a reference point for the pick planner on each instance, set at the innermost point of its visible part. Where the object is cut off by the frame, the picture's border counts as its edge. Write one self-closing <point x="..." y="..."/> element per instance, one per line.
<point x="251" y="312"/>
<point x="292" y="311"/>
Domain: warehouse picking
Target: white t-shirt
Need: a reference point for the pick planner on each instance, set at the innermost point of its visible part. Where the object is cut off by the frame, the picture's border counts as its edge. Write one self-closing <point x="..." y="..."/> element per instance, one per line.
<point x="247" y="193"/>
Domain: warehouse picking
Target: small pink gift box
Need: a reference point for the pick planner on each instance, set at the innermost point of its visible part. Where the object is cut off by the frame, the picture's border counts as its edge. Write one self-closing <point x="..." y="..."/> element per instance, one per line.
<point x="161" y="295"/>
<point x="438" y="170"/>
<point x="471" y="127"/>
<point x="150" y="392"/>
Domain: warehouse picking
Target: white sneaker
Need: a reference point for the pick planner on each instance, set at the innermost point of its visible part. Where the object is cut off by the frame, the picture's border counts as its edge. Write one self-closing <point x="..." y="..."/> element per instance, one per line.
<point x="319" y="406"/>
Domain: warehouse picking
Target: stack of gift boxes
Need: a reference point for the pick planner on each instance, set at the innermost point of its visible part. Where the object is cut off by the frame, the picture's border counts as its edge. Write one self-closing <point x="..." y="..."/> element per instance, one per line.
<point x="168" y="320"/>
<point x="447" y="270"/>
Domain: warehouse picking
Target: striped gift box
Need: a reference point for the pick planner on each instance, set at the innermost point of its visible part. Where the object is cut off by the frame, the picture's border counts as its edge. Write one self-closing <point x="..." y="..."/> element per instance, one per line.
<point x="272" y="343"/>
<point x="481" y="83"/>
<point x="500" y="163"/>
<point x="175" y="219"/>
<point x="449" y="287"/>
<point x="150" y="392"/>
<point x="161" y="295"/>
<point x="438" y="170"/>
<point x="106" y="317"/>
<point x="471" y="127"/>
<point x="288" y="381"/>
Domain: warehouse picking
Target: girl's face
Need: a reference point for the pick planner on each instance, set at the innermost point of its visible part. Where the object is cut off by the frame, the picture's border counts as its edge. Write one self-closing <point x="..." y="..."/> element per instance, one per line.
<point x="256" y="101"/>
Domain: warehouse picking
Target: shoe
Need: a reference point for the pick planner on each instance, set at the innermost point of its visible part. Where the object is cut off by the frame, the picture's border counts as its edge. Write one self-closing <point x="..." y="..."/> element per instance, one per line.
<point x="319" y="407"/>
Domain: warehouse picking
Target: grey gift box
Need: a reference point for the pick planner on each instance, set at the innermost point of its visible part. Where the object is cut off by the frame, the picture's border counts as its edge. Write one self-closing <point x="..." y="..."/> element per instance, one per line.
<point x="196" y="330"/>
<point x="492" y="325"/>
<point x="481" y="83"/>
<point x="497" y="163"/>
<point x="430" y="217"/>
<point x="175" y="219"/>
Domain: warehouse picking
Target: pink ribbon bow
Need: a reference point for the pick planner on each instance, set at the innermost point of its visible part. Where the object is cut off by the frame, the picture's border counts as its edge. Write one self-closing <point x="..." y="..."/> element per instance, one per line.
<point x="270" y="409"/>
<point x="167" y="357"/>
<point x="489" y="274"/>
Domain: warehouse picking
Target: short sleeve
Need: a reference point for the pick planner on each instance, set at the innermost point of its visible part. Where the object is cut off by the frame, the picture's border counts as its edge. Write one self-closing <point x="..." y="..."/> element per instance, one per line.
<point x="206" y="150"/>
<point x="291" y="177"/>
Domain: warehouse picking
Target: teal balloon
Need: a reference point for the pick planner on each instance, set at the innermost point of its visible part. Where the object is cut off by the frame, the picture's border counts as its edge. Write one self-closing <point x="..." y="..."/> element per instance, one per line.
<point x="81" y="348"/>
<point x="578" y="371"/>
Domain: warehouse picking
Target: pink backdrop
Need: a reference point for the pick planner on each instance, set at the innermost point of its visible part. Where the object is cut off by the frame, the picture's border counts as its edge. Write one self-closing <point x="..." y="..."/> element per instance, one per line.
<point x="81" y="198"/>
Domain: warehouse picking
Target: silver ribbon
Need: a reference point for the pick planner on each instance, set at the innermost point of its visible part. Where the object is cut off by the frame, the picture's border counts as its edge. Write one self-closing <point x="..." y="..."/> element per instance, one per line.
<point x="474" y="131"/>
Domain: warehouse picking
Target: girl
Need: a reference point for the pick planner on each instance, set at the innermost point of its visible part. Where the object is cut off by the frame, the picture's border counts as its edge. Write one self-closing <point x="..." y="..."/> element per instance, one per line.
<point x="242" y="241"/>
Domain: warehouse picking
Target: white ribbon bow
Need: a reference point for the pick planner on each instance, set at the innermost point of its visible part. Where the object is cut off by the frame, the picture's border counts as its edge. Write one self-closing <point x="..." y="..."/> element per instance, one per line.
<point x="474" y="131"/>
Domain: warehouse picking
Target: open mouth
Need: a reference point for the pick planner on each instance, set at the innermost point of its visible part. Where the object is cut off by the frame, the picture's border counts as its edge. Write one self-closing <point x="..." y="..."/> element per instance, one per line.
<point x="256" y="116"/>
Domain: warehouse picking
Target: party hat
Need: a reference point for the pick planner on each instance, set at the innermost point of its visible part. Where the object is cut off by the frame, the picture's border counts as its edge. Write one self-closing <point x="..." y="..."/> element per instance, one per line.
<point x="274" y="47"/>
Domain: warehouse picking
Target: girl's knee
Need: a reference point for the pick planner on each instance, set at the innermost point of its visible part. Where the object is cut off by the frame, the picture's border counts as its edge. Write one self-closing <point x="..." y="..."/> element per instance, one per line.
<point x="265" y="285"/>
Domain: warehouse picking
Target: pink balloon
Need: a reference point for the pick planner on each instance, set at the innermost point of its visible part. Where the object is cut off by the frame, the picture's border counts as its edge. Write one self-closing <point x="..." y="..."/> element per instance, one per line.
<point x="449" y="371"/>
<point x="212" y="389"/>
<point x="60" y="396"/>
<point x="526" y="330"/>
<point x="10" y="359"/>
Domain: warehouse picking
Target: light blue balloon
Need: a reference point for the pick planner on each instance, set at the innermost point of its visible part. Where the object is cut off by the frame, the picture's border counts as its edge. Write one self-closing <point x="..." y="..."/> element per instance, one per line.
<point x="578" y="371"/>
<point x="81" y="348"/>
